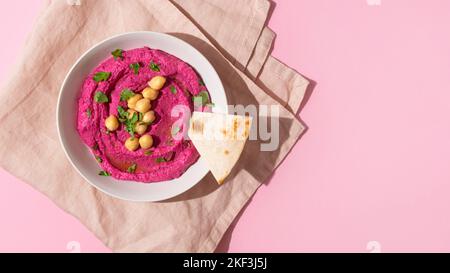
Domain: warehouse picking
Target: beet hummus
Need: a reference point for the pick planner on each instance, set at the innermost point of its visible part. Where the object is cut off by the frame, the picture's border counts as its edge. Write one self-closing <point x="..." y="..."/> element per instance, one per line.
<point x="125" y="114"/>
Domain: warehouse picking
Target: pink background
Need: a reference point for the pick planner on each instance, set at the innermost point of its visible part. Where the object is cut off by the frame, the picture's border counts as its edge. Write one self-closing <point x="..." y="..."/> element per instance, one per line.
<point x="374" y="164"/>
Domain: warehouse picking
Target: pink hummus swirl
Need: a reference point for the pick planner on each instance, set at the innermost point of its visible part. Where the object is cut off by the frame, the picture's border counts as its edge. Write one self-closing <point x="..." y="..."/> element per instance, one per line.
<point x="170" y="156"/>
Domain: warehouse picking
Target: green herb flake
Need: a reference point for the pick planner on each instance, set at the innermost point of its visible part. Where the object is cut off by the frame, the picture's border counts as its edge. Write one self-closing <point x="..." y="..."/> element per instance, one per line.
<point x="154" y="67"/>
<point x="200" y="82"/>
<point x="89" y="112"/>
<point x="104" y="173"/>
<point x="148" y="152"/>
<point x="131" y="123"/>
<point x="101" y="76"/>
<point x="167" y="158"/>
<point x="95" y="147"/>
<point x="126" y="94"/>
<point x="123" y="115"/>
<point x="99" y="159"/>
<point x="132" y="168"/>
<point x="135" y="67"/>
<point x="202" y="98"/>
<point x="117" y="54"/>
<point x="160" y="160"/>
<point x="175" y="130"/>
<point x="100" y="97"/>
<point x="173" y="90"/>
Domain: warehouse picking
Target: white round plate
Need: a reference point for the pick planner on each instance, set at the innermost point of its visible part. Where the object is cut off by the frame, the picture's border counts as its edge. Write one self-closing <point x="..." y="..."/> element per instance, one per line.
<point x="66" y="115"/>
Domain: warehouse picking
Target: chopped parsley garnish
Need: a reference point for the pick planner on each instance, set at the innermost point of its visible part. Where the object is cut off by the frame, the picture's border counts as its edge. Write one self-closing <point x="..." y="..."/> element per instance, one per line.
<point x="129" y="123"/>
<point x="148" y="152"/>
<point x="123" y="115"/>
<point x="100" y="97"/>
<point x="104" y="173"/>
<point x="132" y="168"/>
<point x="160" y="160"/>
<point x="173" y="90"/>
<point x="89" y="112"/>
<point x="135" y="67"/>
<point x="154" y="67"/>
<point x="167" y="158"/>
<point x="95" y="147"/>
<point x="126" y="94"/>
<point x="101" y="76"/>
<point x="200" y="82"/>
<point x="202" y="98"/>
<point x="117" y="54"/>
<point x="99" y="159"/>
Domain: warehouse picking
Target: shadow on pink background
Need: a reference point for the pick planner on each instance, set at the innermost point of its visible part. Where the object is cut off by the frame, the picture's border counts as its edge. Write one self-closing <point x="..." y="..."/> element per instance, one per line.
<point x="370" y="174"/>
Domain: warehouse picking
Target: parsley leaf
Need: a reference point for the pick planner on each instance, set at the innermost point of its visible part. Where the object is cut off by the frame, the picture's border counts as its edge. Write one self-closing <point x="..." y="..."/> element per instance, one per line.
<point x="126" y="94"/>
<point x="200" y="82"/>
<point x="173" y="90"/>
<point x="148" y="152"/>
<point x="202" y="98"/>
<point x="175" y="130"/>
<point x="154" y="67"/>
<point x="135" y="67"/>
<point x="101" y="76"/>
<point x="104" y="173"/>
<point x="167" y="158"/>
<point x="117" y="54"/>
<point x="89" y="112"/>
<point x="99" y="159"/>
<point x="123" y="115"/>
<point x="132" y="168"/>
<point x="160" y="160"/>
<point x="131" y="123"/>
<point x="95" y="147"/>
<point x="100" y="97"/>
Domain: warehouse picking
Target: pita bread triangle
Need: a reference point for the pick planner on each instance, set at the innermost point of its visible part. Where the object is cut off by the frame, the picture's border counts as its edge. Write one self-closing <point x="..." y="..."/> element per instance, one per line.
<point x="219" y="139"/>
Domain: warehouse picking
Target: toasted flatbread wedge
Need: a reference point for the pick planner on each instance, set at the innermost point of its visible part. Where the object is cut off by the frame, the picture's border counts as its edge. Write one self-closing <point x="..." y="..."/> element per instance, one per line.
<point x="219" y="139"/>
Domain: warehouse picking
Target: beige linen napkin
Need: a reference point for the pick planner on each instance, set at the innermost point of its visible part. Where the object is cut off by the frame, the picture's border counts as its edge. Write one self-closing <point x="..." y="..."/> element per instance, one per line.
<point x="231" y="34"/>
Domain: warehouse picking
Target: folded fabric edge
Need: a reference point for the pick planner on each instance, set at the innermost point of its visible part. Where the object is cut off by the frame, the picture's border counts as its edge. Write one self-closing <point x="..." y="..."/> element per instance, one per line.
<point x="260" y="53"/>
<point x="222" y="225"/>
<point x="250" y="38"/>
<point x="288" y="87"/>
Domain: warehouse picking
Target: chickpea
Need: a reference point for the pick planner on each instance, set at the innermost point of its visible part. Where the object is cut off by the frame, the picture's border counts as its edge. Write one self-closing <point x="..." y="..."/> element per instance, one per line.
<point x="132" y="143"/>
<point x="157" y="82"/>
<point x="150" y="93"/>
<point x="111" y="123"/>
<point x="140" y="128"/>
<point x="149" y="117"/>
<point x="132" y="101"/>
<point x="143" y="105"/>
<point x="131" y="112"/>
<point x="146" y="141"/>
